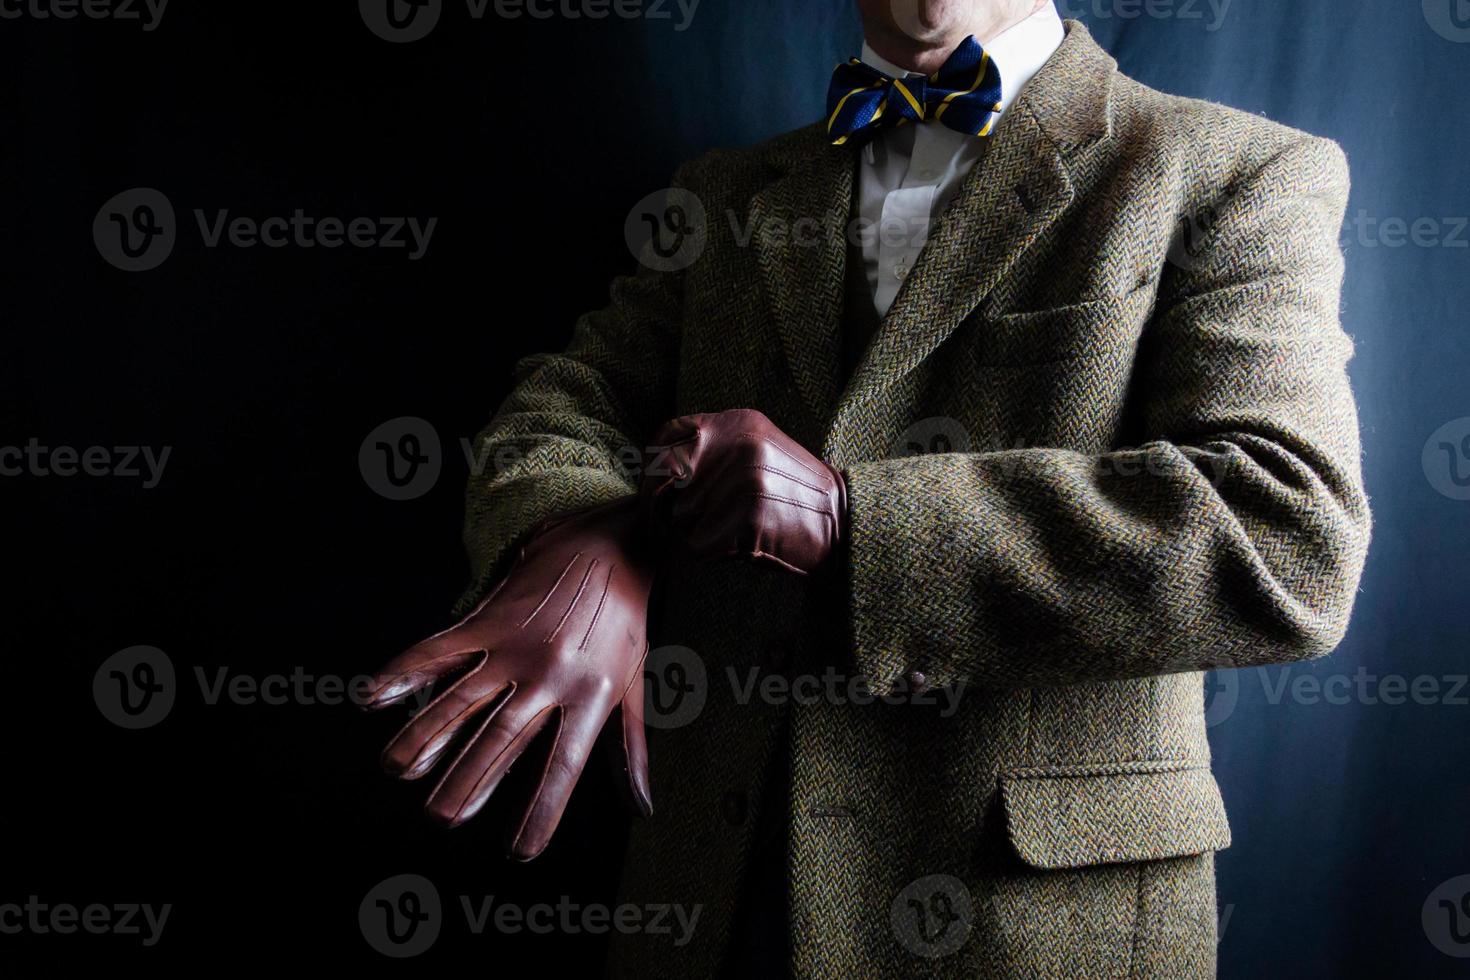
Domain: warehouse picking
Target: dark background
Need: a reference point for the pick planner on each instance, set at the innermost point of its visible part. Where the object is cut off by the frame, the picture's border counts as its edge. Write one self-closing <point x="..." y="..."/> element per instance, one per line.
<point x="264" y="550"/>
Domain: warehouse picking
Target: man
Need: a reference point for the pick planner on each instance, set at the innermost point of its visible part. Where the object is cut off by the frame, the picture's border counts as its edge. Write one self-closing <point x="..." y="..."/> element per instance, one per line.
<point x="1118" y="345"/>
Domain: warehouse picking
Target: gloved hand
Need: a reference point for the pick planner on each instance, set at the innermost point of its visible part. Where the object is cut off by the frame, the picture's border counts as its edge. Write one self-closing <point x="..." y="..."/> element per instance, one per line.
<point x="561" y="641"/>
<point x="732" y="484"/>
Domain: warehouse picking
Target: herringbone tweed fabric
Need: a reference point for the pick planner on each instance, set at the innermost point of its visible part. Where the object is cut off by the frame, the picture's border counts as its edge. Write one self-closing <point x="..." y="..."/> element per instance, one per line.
<point x="1154" y="471"/>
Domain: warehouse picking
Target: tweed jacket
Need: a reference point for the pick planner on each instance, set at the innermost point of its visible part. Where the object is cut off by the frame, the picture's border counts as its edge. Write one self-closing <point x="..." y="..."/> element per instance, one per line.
<point x="1103" y="441"/>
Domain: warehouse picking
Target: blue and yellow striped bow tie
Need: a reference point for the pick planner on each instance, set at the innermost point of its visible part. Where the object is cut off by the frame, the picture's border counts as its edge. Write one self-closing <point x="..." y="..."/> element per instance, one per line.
<point x="964" y="94"/>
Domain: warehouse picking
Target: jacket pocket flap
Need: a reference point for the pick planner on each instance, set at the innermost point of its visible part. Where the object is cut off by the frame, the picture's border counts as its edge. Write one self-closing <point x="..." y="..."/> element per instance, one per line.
<point x="1062" y="332"/>
<point x="1069" y="818"/>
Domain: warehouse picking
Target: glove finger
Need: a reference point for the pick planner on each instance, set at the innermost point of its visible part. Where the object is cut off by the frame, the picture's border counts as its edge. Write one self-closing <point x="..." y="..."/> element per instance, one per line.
<point x="632" y="754"/>
<point x="575" y="740"/>
<point x="424" y="663"/>
<point x="676" y="430"/>
<point x="673" y="459"/>
<point x="421" y="743"/>
<point x="484" y="761"/>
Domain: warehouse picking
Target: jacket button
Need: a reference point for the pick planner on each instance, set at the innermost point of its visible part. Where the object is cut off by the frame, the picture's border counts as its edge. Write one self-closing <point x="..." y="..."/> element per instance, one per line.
<point x="732" y="806"/>
<point x="917" y="681"/>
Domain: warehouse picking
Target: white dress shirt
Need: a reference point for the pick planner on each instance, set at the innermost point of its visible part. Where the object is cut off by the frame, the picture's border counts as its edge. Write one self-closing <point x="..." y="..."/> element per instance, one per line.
<point x="910" y="173"/>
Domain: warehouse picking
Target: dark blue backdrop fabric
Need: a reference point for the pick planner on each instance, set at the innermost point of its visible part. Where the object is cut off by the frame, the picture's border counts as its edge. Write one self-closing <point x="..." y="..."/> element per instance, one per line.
<point x="1346" y="780"/>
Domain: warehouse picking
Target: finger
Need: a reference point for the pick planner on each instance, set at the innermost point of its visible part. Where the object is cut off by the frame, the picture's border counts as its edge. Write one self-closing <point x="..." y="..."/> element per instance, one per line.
<point x="673" y="457"/>
<point x="633" y="743"/>
<point x="421" y="743"/>
<point x="426" y="662"/>
<point x="575" y="739"/>
<point x="484" y="761"/>
<point x="677" y="430"/>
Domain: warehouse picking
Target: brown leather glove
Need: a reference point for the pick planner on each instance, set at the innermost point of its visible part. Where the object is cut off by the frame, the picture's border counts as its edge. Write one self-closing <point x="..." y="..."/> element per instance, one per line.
<point x="561" y="640"/>
<point x="732" y="484"/>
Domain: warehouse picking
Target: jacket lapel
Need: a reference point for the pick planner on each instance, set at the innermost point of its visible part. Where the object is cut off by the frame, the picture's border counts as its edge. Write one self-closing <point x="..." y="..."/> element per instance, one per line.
<point x="1019" y="188"/>
<point x="798" y="223"/>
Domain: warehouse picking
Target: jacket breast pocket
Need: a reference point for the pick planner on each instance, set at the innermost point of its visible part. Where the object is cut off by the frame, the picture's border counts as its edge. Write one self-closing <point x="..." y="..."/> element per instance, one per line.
<point x="1106" y="325"/>
<point x="1072" y="817"/>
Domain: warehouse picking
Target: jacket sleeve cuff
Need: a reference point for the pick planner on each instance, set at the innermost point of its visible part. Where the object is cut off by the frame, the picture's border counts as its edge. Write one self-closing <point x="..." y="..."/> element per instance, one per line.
<point x="509" y="516"/>
<point x="889" y="560"/>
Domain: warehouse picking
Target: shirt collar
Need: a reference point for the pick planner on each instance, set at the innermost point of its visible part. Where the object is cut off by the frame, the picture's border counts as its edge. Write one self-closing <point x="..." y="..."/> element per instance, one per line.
<point x="1018" y="52"/>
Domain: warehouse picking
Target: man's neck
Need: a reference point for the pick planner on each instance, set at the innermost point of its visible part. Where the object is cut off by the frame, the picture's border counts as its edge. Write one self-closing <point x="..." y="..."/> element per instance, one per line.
<point x="927" y="54"/>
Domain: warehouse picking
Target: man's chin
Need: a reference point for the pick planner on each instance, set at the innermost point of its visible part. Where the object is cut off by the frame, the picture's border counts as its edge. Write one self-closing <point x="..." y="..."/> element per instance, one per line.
<point x="926" y="21"/>
<point x="940" y="23"/>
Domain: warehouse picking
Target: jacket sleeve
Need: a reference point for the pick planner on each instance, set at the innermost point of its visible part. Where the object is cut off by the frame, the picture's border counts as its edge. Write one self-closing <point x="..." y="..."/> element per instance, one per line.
<point x="567" y="434"/>
<point x="1234" y="535"/>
